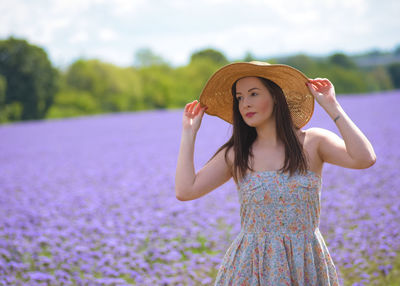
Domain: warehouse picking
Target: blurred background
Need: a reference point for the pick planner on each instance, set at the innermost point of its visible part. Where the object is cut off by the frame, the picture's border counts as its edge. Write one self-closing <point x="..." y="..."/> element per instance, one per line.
<point x="72" y="58"/>
<point x="90" y="200"/>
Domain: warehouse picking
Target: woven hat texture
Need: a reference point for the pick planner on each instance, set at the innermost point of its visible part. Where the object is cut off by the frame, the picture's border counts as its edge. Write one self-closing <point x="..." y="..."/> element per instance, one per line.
<point x="217" y="93"/>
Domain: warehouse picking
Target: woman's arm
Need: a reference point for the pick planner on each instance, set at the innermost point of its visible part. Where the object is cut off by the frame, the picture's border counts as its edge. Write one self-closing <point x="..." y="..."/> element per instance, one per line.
<point x="185" y="172"/>
<point x="355" y="151"/>
<point x="188" y="185"/>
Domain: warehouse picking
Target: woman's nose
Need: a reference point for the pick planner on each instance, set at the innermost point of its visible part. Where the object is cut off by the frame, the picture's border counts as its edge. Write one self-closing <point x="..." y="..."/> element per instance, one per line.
<point x="247" y="101"/>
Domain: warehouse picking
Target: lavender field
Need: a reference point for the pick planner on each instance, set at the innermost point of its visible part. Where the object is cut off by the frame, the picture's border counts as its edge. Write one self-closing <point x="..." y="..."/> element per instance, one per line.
<point x="91" y="201"/>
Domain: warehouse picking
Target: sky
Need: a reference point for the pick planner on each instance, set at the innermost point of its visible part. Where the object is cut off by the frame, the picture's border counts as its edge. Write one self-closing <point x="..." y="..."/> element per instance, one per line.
<point x="114" y="30"/>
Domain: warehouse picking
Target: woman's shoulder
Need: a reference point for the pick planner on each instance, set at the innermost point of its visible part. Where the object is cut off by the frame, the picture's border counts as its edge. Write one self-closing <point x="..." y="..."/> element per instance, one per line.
<point x="318" y="133"/>
<point x="317" y="137"/>
<point x="315" y="132"/>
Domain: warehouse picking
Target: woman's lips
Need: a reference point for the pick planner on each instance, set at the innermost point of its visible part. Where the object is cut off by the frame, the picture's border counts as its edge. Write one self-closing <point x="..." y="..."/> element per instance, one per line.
<point x="250" y="114"/>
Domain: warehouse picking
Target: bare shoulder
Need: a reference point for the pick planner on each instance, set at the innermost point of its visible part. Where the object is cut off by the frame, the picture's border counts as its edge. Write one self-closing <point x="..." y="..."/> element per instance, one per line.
<point x="317" y="134"/>
<point x="311" y="137"/>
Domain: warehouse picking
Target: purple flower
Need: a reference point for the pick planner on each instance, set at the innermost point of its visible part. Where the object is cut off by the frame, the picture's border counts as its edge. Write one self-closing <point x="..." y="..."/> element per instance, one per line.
<point x="40" y="276"/>
<point x="92" y="198"/>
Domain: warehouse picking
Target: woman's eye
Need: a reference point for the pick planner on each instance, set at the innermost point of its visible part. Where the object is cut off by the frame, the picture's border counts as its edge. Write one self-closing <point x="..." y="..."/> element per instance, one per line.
<point x="238" y="98"/>
<point x="253" y="93"/>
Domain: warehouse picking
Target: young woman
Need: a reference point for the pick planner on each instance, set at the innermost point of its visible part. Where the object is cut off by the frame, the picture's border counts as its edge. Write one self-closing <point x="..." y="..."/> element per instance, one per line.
<point x="276" y="166"/>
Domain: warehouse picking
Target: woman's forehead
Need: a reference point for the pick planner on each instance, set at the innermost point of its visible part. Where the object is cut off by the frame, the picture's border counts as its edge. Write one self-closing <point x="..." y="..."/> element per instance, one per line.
<point x="246" y="83"/>
<point x="249" y="79"/>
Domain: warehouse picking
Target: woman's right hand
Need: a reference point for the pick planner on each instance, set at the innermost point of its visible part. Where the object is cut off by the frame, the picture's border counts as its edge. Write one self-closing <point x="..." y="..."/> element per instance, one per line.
<point x="192" y="116"/>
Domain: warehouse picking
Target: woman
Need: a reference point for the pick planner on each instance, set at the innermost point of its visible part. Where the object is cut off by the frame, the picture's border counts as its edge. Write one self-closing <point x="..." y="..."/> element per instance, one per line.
<point x="276" y="166"/>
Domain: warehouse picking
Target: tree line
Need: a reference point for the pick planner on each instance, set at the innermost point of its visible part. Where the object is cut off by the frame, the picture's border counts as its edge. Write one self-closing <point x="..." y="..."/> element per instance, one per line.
<point x="31" y="88"/>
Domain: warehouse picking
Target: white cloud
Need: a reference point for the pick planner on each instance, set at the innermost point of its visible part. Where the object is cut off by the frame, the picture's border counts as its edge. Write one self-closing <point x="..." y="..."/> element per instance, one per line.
<point x="127" y="7"/>
<point x="107" y="34"/>
<point x="79" y="37"/>
<point x="113" y="30"/>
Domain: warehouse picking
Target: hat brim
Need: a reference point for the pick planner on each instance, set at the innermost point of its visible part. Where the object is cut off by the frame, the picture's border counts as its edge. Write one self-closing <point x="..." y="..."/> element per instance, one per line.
<point x="217" y="93"/>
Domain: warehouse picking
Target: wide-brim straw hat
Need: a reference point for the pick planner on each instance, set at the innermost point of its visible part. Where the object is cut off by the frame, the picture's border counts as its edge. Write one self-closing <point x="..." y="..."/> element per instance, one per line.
<point x="217" y="93"/>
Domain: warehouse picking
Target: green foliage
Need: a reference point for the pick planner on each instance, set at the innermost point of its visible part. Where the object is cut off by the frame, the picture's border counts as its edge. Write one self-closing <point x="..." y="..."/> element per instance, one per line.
<point x="346" y="81"/>
<point x="145" y="57"/>
<point x="69" y="103"/>
<point x="3" y="88"/>
<point x="191" y="79"/>
<point x="30" y="79"/>
<point x="397" y="50"/>
<point x="379" y="79"/>
<point x="157" y="85"/>
<point x="342" y="72"/>
<point x="248" y="57"/>
<point x="30" y="88"/>
<point x="394" y="71"/>
<point x="10" y="112"/>
<point x="114" y="88"/>
<point x="342" y="60"/>
<point x="213" y="55"/>
<point x="303" y="63"/>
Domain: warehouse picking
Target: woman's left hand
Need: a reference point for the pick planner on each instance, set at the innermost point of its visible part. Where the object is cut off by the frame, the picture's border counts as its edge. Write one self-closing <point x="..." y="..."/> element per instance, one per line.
<point x="323" y="91"/>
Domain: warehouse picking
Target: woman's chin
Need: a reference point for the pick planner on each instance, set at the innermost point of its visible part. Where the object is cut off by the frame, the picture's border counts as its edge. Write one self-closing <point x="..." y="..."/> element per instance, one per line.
<point x="252" y="123"/>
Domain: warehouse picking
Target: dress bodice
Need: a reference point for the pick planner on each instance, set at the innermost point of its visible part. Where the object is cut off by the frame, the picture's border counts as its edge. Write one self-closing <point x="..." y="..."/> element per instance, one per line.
<point x="275" y="202"/>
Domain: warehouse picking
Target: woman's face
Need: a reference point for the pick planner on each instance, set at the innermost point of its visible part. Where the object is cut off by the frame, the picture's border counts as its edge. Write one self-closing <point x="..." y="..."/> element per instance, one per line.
<point x="254" y="98"/>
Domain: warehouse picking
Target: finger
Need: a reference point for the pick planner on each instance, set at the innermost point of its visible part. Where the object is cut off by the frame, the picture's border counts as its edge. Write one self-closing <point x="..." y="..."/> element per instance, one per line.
<point x="197" y="109"/>
<point x="201" y="109"/>
<point x="314" y="83"/>
<point x="318" y="79"/>
<point x="327" y="82"/>
<point x="311" y="85"/>
<point x="321" y="80"/>
<point x="187" y="106"/>
<point x="192" y="106"/>
<point x="317" y="82"/>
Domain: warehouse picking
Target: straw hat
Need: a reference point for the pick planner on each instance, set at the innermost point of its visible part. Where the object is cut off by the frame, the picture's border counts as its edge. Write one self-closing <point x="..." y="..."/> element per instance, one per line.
<point x="217" y="93"/>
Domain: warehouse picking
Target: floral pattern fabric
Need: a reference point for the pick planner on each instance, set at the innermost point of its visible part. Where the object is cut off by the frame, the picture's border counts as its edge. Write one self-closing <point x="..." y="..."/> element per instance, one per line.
<point x="279" y="242"/>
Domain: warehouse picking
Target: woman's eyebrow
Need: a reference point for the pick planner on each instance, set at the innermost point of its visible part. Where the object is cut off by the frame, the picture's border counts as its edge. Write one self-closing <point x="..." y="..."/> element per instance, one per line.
<point x="248" y="90"/>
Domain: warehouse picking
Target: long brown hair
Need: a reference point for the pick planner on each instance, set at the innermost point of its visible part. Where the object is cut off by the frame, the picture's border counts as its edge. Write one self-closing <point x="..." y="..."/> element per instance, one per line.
<point x="243" y="136"/>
